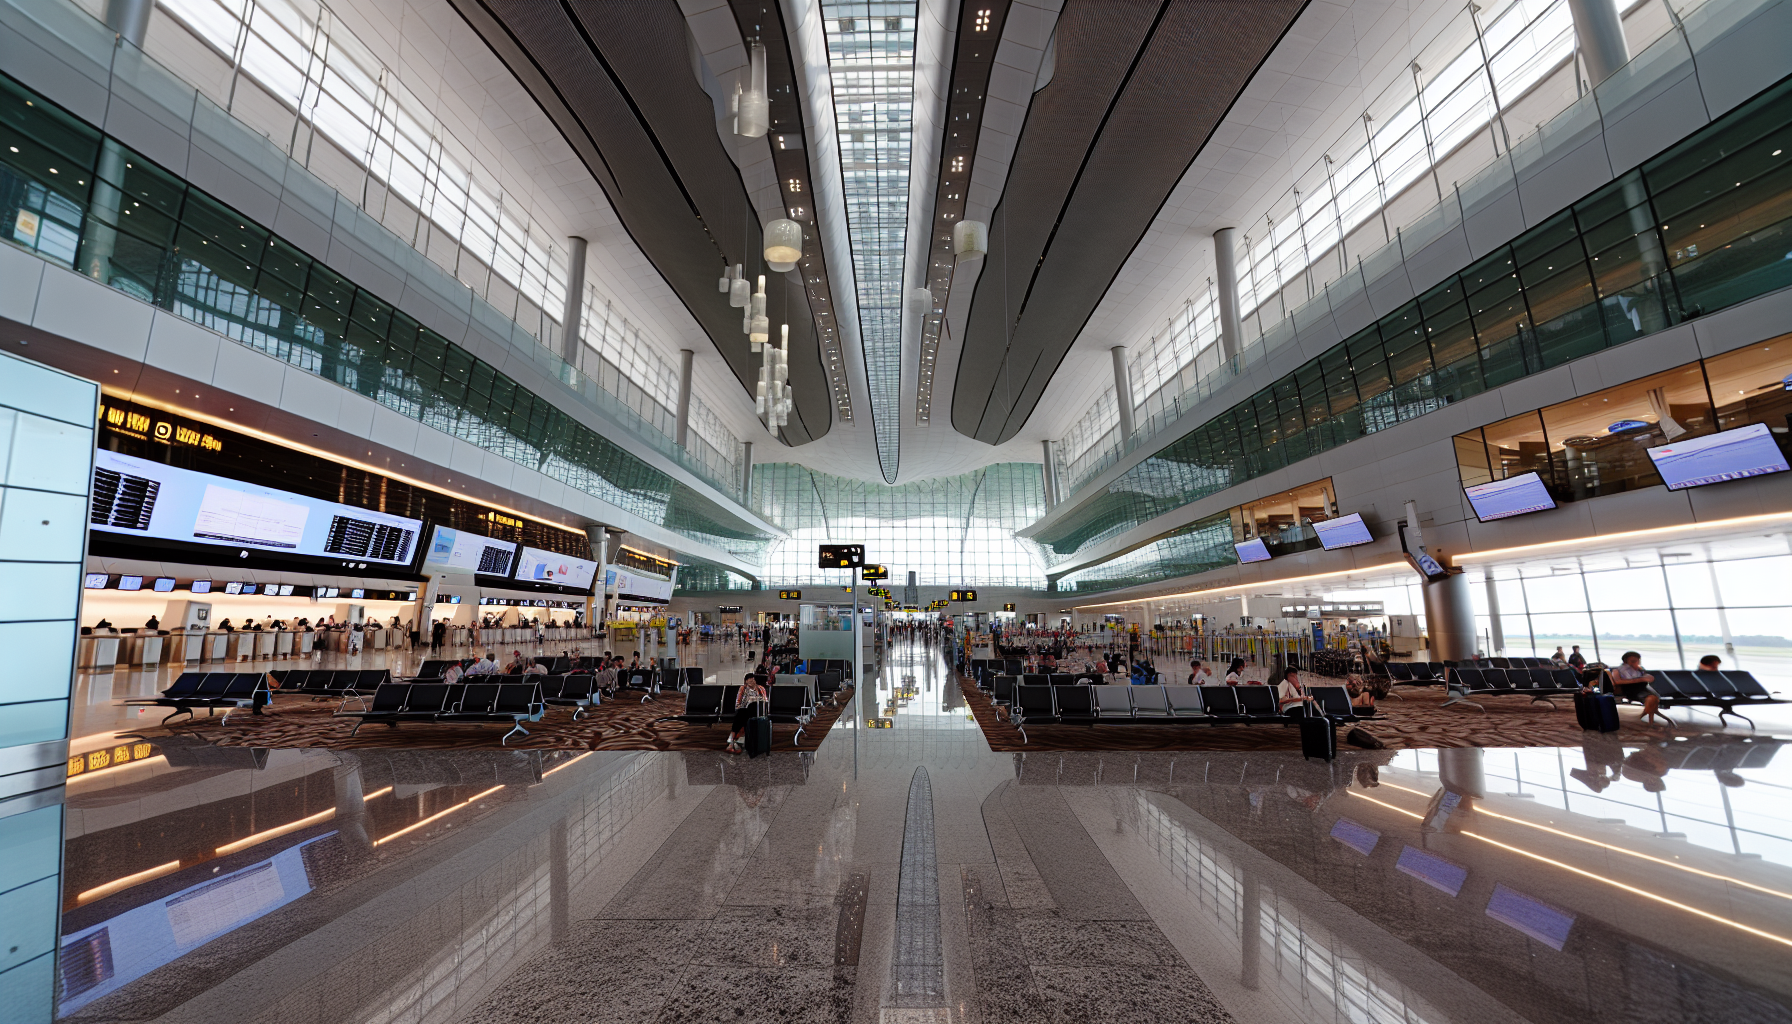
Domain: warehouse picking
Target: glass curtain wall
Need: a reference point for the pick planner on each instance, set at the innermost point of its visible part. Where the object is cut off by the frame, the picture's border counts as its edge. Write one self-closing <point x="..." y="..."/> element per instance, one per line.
<point x="183" y="251"/>
<point x="871" y="58"/>
<point x="1703" y="226"/>
<point x="1489" y="79"/>
<point x="1199" y="547"/>
<point x="950" y="531"/>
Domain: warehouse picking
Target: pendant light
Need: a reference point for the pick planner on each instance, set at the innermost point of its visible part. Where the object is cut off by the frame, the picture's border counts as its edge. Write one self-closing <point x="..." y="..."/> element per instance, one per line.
<point x="758" y="327"/>
<point x="752" y="108"/>
<point x="920" y="301"/>
<point x="783" y="245"/>
<point x="970" y="239"/>
<point x="739" y="292"/>
<point x="726" y="281"/>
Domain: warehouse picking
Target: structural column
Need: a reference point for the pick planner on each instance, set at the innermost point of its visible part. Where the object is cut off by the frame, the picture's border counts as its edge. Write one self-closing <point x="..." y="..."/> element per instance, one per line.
<point x="1450" y="618"/>
<point x="1050" y="474"/>
<point x="571" y="315"/>
<point x="1123" y="392"/>
<point x="1495" y="627"/>
<point x="746" y="472"/>
<point x="685" y="356"/>
<point x="1225" y="260"/>
<point x="1600" y="33"/>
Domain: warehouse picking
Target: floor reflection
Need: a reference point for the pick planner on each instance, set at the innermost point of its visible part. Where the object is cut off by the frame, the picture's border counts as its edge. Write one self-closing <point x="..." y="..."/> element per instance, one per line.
<point x="1582" y="884"/>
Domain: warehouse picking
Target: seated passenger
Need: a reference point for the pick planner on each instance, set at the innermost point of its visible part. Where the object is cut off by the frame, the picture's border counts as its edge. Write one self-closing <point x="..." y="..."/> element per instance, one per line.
<point x="1632" y="683"/>
<point x="748" y="704"/>
<point x="517" y="664"/>
<point x="1235" y="673"/>
<point x="1710" y="663"/>
<point x="486" y="667"/>
<point x="453" y="673"/>
<point x="536" y="668"/>
<point x="1361" y="696"/>
<point x="1291" y="697"/>
<point x="1198" y="674"/>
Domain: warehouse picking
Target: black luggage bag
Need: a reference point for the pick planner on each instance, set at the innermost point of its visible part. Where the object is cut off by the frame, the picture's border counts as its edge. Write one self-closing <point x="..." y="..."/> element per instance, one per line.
<point x="759" y="736"/>
<point x="1318" y="738"/>
<point x="1596" y="712"/>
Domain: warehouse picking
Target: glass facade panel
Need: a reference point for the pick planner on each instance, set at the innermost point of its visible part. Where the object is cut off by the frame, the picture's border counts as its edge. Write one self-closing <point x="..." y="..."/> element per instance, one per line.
<point x="1622" y="287"/>
<point x="205" y="262"/>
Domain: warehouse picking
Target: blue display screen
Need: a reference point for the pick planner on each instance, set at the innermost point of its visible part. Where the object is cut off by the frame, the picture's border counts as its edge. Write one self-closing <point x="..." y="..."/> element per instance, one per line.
<point x="1712" y="459"/>
<point x="1531" y="916"/>
<point x="1253" y="550"/>
<point x="1358" y="837"/>
<point x="1513" y="496"/>
<point x="1343" y="532"/>
<point x="1433" y="870"/>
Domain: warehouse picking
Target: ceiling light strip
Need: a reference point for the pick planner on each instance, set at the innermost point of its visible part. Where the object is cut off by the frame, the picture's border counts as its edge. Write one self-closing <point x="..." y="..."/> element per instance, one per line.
<point x="468" y="802"/>
<point x="979" y="33"/>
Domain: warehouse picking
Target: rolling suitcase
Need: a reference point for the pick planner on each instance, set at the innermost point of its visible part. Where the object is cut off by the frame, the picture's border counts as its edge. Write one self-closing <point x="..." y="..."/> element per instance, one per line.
<point x="759" y="736"/>
<point x="1318" y="738"/>
<point x="1596" y="712"/>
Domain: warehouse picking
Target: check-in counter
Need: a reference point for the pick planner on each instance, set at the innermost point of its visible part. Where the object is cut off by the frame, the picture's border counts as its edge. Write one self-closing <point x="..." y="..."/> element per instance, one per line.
<point x="264" y="645"/>
<point x="304" y="643"/>
<point x="215" y="647"/>
<point x="458" y="636"/>
<point x="143" y="649"/>
<point x="182" y="648"/>
<point x="242" y="646"/>
<point x="378" y="638"/>
<point x="99" y="653"/>
<point x="283" y="644"/>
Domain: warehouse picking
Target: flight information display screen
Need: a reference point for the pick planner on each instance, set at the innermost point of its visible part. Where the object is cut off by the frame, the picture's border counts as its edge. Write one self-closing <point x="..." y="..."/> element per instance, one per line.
<point x="1343" y="532"/>
<point x="1253" y="550"/>
<point x="1715" y="458"/>
<point x="451" y="550"/>
<point x="1513" y="496"/>
<point x="136" y="497"/>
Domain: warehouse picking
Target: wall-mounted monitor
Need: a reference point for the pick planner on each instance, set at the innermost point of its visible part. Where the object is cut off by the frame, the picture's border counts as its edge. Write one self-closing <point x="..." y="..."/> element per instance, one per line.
<point x="285" y="590"/>
<point x="234" y="588"/>
<point x="1720" y="457"/>
<point x="249" y="588"/>
<point x="327" y="592"/>
<point x="137" y="498"/>
<point x="538" y="566"/>
<point x="1253" y="550"/>
<point x="96" y="580"/>
<point x="164" y="584"/>
<point x="202" y="586"/>
<point x="637" y="587"/>
<point x="130" y="583"/>
<point x="1343" y="532"/>
<point x="1513" y="496"/>
<point x="357" y="594"/>
<point x="458" y="550"/>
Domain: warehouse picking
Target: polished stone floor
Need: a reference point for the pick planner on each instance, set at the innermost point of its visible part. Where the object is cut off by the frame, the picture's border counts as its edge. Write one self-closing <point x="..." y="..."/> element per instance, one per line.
<point x="908" y="873"/>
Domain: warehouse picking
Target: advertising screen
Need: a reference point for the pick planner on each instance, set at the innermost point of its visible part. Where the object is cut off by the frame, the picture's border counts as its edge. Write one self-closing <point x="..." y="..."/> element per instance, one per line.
<point x="538" y="566"/>
<point x="638" y="587"/>
<point x="1712" y="459"/>
<point x="451" y="550"/>
<point x="1513" y="496"/>
<point x="1342" y="532"/>
<point x="1253" y="550"/>
<point x="137" y="498"/>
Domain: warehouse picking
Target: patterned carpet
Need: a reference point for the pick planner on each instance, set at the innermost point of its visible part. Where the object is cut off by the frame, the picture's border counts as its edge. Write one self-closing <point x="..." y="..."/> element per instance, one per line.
<point x="623" y="724"/>
<point x="1418" y="720"/>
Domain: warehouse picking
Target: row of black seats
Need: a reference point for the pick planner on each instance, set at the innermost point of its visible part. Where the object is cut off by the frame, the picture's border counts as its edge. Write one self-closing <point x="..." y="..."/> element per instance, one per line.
<point x="1725" y="690"/>
<point x="710" y="703"/>
<point x="1539" y="684"/>
<point x="1084" y="704"/>
<point x="211" y="690"/>
<point x="321" y="682"/>
<point x="477" y="703"/>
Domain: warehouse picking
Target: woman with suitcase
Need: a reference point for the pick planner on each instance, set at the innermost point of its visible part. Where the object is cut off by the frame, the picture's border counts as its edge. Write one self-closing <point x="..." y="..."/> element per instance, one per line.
<point x="749" y="703"/>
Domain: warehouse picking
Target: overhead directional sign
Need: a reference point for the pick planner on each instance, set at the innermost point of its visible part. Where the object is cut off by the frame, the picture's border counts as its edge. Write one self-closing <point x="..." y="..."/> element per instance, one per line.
<point x="964" y="595"/>
<point x="842" y="556"/>
<point x="874" y="572"/>
<point x="790" y="595"/>
<point x="1008" y="607"/>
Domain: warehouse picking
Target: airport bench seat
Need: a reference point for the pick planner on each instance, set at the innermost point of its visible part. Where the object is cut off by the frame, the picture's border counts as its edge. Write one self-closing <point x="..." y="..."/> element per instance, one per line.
<point x="212" y="691"/>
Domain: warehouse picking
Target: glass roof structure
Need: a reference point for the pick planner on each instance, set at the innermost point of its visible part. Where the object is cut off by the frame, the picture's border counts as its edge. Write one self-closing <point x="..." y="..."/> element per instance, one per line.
<point x="871" y="57"/>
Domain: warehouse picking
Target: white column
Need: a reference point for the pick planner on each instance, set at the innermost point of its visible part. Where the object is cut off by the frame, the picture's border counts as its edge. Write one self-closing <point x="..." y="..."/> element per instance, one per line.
<point x="1497" y="629"/>
<point x="685" y="356"/>
<point x="571" y="329"/>
<point x="746" y="472"/>
<point x="1050" y="474"/>
<point x="1122" y="391"/>
<point x="1225" y="258"/>
<point x="130" y="19"/>
<point x="1601" y="35"/>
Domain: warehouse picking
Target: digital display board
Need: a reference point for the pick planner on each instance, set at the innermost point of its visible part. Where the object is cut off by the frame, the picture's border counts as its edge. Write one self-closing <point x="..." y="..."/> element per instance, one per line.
<point x="1716" y="458"/>
<point x="1513" y="496"/>
<point x="638" y="588"/>
<point x="1357" y="836"/>
<point x="1530" y="915"/>
<point x="841" y="556"/>
<point x="202" y="586"/>
<point x="130" y="583"/>
<point x="137" y="498"/>
<point x="1253" y="550"/>
<point x="96" y="581"/>
<point x="1343" y="532"/>
<point x="164" y="584"/>
<point x="468" y="552"/>
<point x="1438" y="873"/>
<point x="538" y="566"/>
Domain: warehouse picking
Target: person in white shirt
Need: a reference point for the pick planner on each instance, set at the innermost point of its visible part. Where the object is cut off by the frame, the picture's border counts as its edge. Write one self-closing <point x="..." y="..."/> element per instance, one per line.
<point x="486" y="667"/>
<point x="1200" y="676"/>
<point x="453" y="673"/>
<point x="1235" y="673"/>
<point x="1291" y="697"/>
